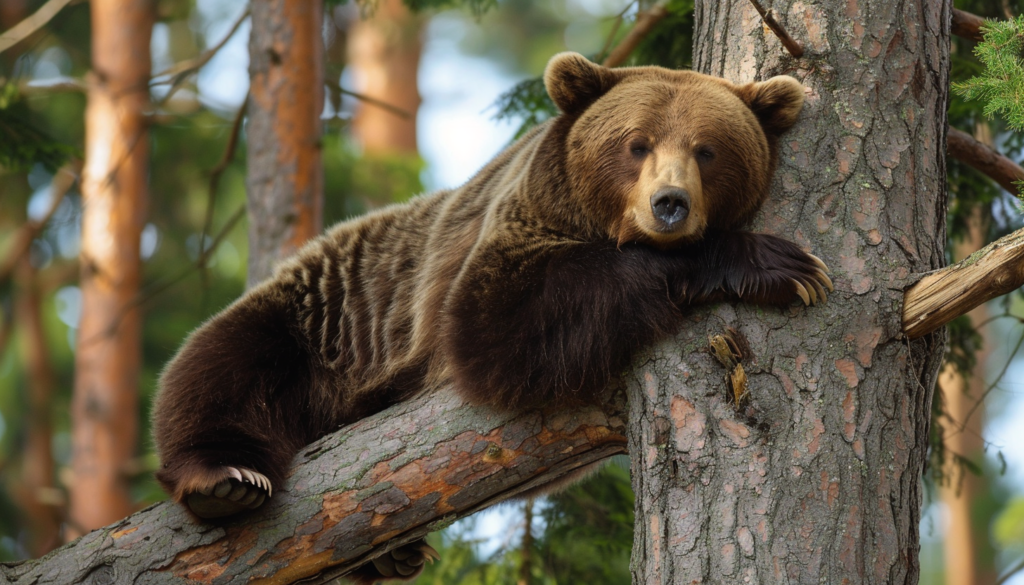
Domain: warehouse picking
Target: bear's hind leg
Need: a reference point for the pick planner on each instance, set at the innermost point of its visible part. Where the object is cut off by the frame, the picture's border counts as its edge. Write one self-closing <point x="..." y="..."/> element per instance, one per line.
<point x="233" y="408"/>
<point x="404" y="563"/>
<point x="238" y="489"/>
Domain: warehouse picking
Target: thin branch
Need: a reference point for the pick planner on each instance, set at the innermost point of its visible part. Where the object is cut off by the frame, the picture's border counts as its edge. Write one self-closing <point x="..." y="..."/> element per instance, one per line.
<point x="966" y="25"/>
<point x="985" y="159"/>
<point x="1013" y="571"/>
<point x="22" y="241"/>
<point x="179" y="72"/>
<point x="59" y="85"/>
<point x="619" y="18"/>
<point x="992" y="386"/>
<point x="375" y="485"/>
<point x="949" y="292"/>
<point x="145" y="296"/>
<point x="645" y="22"/>
<point x="370" y="100"/>
<point x="794" y="48"/>
<point x="217" y="171"/>
<point x="25" y="28"/>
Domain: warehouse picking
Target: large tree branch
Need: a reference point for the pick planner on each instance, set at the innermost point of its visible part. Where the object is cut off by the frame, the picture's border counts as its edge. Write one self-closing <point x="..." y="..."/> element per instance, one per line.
<point x="993" y="271"/>
<point x="983" y="158"/>
<point x="945" y="294"/>
<point x="967" y="25"/>
<point x="372" y="486"/>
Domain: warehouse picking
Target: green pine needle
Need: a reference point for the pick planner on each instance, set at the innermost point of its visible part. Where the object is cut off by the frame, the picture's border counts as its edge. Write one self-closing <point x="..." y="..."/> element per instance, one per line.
<point x="1001" y="84"/>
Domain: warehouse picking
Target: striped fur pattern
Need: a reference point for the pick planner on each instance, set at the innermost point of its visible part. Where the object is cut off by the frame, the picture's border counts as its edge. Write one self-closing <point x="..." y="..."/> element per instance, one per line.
<point x="531" y="284"/>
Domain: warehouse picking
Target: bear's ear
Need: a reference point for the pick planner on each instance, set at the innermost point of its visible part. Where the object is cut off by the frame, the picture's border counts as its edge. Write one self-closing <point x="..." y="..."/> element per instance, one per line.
<point x="776" y="102"/>
<point x="574" y="83"/>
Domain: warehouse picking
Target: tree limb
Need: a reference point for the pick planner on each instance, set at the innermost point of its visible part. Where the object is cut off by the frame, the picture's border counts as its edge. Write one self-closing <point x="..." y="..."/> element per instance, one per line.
<point x="945" y="294"/>
<point x="645" y="22"/>
<point x="967" y="25"/>
<point x="791" y="45"/>
<point x="384" y="481"/>
<point x="38" y="20"/>
<point x="983" y="158"/>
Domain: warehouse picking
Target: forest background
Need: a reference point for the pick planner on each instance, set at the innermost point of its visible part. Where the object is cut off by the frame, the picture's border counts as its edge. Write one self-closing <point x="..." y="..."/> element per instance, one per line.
<point x="477" y="64"/>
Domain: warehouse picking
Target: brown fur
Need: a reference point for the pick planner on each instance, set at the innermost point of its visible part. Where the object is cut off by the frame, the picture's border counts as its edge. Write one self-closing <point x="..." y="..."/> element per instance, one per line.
<point x="533" y="283"/>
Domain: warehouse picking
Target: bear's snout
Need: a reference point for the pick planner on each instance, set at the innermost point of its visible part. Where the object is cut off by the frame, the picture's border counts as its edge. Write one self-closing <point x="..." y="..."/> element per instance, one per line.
<point x="670" y="205"/>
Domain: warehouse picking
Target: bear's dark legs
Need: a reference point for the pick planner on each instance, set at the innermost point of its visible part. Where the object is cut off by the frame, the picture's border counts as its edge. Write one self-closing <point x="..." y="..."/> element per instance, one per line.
<point x="527" y="326"/>
<point x="233" y="409"/>
<point x="404" y="563"/>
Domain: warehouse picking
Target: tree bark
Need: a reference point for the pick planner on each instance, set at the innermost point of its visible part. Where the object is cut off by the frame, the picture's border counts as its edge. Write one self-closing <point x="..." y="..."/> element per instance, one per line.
<point x="104" y="410"/>
<point x="285" y="170"/>
<point x="817" y="478"/>
<point x="372" y="486"/>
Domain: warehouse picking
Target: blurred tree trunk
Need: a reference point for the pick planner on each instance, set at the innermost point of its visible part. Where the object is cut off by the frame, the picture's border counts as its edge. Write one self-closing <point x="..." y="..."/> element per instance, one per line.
<point x="968" y="548"/>
<point x="285" y="170"/>
<point x="36" y="493"/>
<point x="384" y="49"/>
<point x="105" y="409"/>
<point x="817" y="478"/>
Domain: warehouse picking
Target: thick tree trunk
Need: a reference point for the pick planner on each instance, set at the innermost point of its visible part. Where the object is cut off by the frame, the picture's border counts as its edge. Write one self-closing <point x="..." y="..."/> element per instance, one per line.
<point x="817" y="478"/>
<point x="104" y="409"/>
<point x="385" y="51"/>
<point x="377" y="484"/>
<point x="36" y="492"/>
<point x="968" y="547"/>
<point x="285" y="171"/>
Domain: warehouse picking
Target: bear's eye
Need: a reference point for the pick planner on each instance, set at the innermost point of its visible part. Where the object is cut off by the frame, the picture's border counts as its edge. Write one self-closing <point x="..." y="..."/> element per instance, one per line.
<point x="705" y="154"/>
<point x="639" y="149"/>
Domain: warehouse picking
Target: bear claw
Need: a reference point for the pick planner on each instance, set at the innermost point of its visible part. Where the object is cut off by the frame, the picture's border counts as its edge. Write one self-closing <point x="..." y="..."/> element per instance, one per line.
<point x="405" y="561"/>
<point x="242" y="489"/>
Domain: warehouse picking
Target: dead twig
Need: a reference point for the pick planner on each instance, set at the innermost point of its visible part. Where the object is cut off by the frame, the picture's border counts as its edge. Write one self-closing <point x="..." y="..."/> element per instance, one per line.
<point x="38" y="20"/>
<point x="645" y="22"/>
<point x="370" y="100"/>
<point x="789" y="42"/>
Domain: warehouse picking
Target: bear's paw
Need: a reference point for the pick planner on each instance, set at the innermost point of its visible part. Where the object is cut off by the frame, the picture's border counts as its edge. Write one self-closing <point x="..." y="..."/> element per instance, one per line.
<point x="239" y="489"/>
<point x="403" y="563"/>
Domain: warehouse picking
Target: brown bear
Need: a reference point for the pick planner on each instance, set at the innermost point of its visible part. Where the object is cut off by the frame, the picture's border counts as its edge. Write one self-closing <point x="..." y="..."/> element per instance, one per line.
<point x="532" y="284"/>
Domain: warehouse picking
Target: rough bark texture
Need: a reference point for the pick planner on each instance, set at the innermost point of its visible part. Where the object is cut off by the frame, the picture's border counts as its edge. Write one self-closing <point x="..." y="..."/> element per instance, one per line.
<point x="104" y="410"/>
<point x="382" y="482"/>
<point x="816" y="479"/>
<point x="285" y="174"/>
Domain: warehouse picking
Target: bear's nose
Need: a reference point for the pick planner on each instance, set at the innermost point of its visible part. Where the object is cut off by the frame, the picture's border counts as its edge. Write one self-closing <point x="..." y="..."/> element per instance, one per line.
<point x="671" y="205"/>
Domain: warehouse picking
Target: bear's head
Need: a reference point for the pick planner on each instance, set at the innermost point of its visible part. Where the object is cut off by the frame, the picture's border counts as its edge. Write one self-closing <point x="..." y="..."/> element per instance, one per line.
<point x="659" y="156"/>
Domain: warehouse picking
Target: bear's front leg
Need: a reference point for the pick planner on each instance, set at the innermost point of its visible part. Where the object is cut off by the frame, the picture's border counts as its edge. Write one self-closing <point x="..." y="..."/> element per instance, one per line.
<point x="756" y="268"/>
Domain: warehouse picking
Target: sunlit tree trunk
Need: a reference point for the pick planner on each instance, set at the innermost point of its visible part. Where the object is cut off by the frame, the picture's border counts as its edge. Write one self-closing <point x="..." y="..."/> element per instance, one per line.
<point x="105" y="407"/>
<point x="384" y="49"/>
<point x="285" y="170"/>
<point x="817" y="478"/>
<point x="36" y="490"/>
<point x="967" y="545"/>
